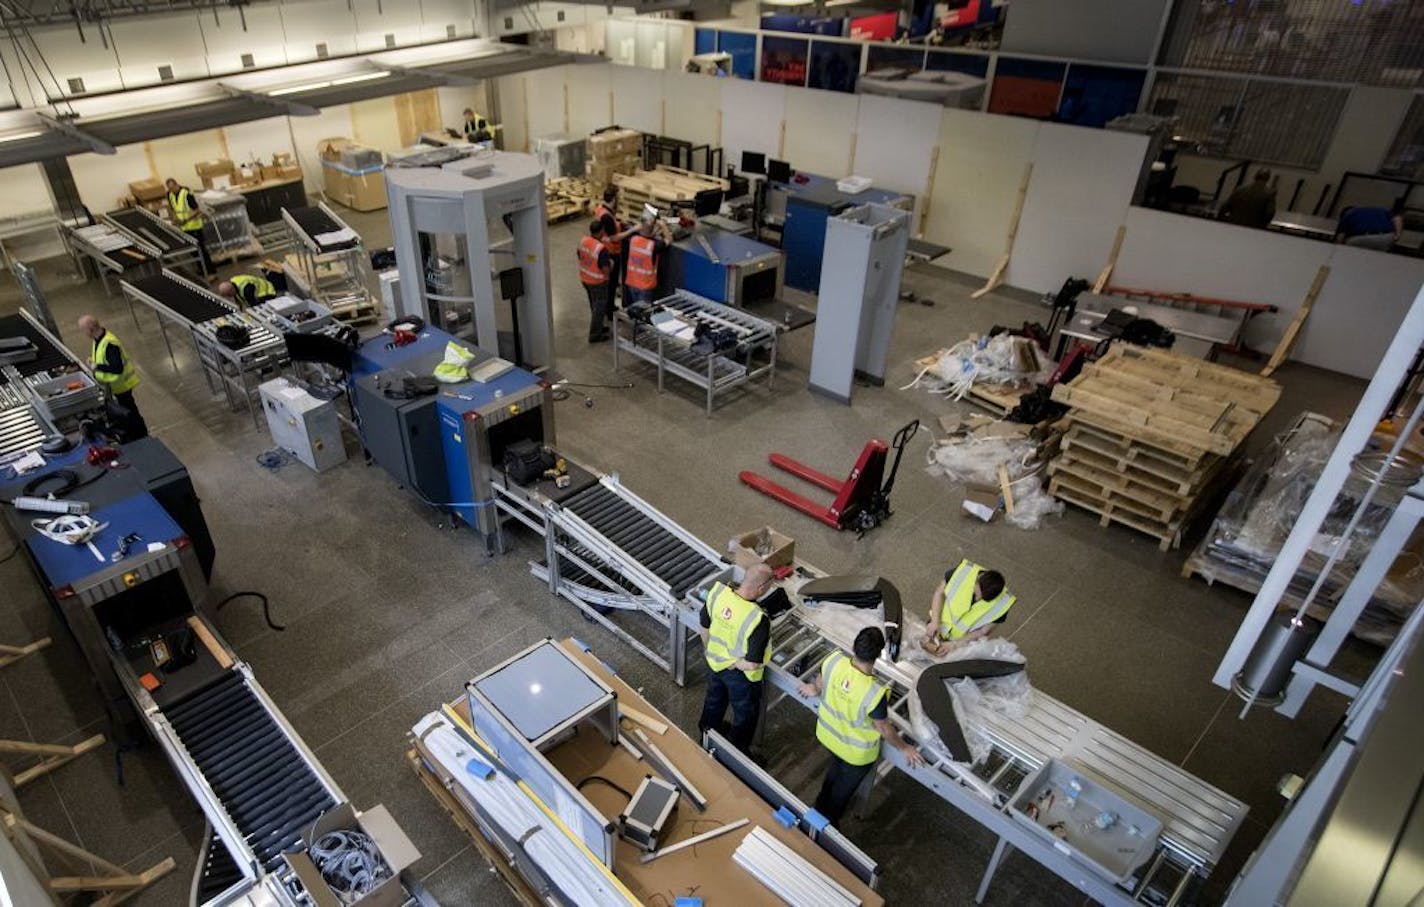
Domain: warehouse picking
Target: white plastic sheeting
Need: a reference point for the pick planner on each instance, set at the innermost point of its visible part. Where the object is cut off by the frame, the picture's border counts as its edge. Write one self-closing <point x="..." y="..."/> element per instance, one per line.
<point x="975" y="460"/>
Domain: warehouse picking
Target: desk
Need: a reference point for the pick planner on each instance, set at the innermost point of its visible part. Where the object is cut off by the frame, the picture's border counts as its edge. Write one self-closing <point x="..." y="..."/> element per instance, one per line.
<point x="1198" y="333"/>
<point x="1300" y="224"/>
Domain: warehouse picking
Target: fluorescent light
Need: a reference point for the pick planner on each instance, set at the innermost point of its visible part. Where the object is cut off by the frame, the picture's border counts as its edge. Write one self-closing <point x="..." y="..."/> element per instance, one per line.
<point x="16" y="136"/>
<point x="344" y="80"/>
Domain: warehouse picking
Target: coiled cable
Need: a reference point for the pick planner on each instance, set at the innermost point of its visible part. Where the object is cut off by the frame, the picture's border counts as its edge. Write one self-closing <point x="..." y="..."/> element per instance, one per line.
<point x="350" y="863"/>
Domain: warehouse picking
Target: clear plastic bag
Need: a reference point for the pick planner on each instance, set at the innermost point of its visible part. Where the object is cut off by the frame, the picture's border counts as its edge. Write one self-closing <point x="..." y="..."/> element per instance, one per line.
<point x="1011" y="696"/>
<point x="976" y="461"/>
<point x="990" y="360"/>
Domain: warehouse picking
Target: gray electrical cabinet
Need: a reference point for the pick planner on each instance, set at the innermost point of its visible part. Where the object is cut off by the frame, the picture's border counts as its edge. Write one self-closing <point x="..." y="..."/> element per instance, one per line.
<point x="861" y="267"/>
<point x="403" y="436"/>
<point x="303" y="424"/>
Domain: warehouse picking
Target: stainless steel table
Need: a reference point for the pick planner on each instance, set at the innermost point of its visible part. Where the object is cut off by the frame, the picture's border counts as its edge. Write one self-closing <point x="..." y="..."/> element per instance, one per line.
<point x="1198" y="333"/>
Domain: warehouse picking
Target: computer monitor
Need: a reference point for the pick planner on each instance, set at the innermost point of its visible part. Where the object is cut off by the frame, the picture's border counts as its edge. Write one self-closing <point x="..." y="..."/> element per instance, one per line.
<point x="778" y="171"/>
<point x="753" y="162"/>
<point x="707" y="202"/>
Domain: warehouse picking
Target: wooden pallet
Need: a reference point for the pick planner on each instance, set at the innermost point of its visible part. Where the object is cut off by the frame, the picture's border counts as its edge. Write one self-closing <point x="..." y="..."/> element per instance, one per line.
<point x="1142" y="463"/>
<point x="1168" y="535"/>
<point x="356" y="313"/>
<point x="556" y="210"/>
<point x="662" y="188"/>
<point x="1109" y="485"/>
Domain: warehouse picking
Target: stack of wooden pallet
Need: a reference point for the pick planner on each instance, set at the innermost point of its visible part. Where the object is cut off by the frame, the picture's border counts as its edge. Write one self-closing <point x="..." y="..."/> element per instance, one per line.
<point x="662" y="188"/>
<point x="567" y="196"/>
<point x="611" y="153"/>
<point x="1152" y="436"/>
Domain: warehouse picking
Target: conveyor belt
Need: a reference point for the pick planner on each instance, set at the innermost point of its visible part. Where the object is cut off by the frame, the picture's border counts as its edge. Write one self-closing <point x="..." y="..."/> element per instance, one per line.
<point x="314" y="222"/>
<point x="635" y="533"/>
<point x="20" y="429"/>
<point x="185" y="302"/>
<point x="264" y="782"/>
<point x="141" y="225"/>
<point x="50" y="356"/>
<point x="219" y="871"/>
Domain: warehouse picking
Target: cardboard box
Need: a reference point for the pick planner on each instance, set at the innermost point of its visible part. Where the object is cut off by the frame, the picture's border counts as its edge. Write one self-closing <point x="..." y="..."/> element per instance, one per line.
<point x="283" y="159"/>
<point x="209" y="171"/>
<point x="270" y="172"/>
<point x="395" y="847"/>
<point x="982" y="501"/>
<point x="289" y="172"/>
<point x="148" y="190"/>
<point x="763" y="546"/>
<point x="330" y="149"/>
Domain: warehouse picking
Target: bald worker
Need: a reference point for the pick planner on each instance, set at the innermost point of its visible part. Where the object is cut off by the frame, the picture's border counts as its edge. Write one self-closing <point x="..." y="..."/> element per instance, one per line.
<point x="114" y="370"/>
<point x="736" y="633"/>
<point x="247" y="290"/>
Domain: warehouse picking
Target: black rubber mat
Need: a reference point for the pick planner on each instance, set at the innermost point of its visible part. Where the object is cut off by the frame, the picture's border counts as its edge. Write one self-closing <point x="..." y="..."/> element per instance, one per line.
<point x="50" y="356"/>
<point x="219" y="871"/>
<point x="142" y="226"/>
<point x="190" y="304"/>
<point x="266" y="785"/>
<point x="938" y="704"/>
<point x="314" y="222"/>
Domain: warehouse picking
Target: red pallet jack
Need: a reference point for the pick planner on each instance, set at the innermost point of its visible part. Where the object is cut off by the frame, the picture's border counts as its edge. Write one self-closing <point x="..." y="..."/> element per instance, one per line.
<point x="862" y="502"/>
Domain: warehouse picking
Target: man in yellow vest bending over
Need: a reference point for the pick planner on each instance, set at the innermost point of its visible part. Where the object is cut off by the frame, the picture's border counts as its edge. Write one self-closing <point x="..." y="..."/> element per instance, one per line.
<point x="114" y="369"/>
<point x="968" y="605"/>
<point x="852" y="720"/>
<point x="184" y="208"/>
<point x="735" y="634"/>
<point x="247" y="290"/>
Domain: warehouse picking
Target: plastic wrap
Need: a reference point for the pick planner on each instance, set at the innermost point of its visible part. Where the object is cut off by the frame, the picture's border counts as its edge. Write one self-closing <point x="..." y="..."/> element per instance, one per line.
<point x="990" y="360"/>
<point x="975" y="460"/>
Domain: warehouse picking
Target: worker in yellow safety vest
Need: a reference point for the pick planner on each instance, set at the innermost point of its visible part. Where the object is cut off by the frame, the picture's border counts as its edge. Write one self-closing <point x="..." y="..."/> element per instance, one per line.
<point x="247" y="290"/>
<point x="595" y="266"/>
<point x="183" y="205"/>
<point x="736" y="634"/>
<point x="852" y="720"/>
<point x="476" y="128"/>
<point x="967" y="607"/>
<point x="114" y="370"/>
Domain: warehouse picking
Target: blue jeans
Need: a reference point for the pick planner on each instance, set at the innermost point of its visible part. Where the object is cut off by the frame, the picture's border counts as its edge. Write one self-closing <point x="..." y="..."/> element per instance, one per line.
<point x="631" y="295"/>
<point x="731" y="687"/>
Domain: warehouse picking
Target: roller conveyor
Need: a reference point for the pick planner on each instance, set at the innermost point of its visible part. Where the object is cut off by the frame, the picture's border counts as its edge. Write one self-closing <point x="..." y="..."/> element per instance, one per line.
<point x="311" y="224"/>
<point x="617" y="519"/>
<point x="181" y="299"/>
<point x="267" y="786"/>
<point x="50" y="355"/>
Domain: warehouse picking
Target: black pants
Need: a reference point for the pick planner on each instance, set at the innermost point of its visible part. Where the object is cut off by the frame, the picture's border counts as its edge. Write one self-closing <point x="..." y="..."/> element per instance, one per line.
<point x="202" y="250"/>
<point x="842" y="781"/>
<point x="732" y="687"/>
<point x="598" y="309"/>
<point x="133" y="425"/>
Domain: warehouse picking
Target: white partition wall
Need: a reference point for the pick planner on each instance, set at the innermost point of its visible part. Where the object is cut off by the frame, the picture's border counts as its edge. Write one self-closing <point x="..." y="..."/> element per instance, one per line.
<point x="820" y="131"/>
<point x="513" y="112"/>
<point x="590" y="97"/>
<point x="1359" y="309"/>
<point x="546" y="102"/>
<point x="692" y="108"/>
<point x="977" y="176"/>
<point x="259" y="138"/>
<point x="637" y="98"/>
<point x="894" y="144"/>
<point x="753" y="115"/>
<point x="1081" y="188"/>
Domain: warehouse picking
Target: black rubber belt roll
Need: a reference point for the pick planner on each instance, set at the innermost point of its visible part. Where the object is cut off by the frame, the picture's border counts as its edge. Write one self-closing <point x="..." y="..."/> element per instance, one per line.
<point x="938" y="702"/>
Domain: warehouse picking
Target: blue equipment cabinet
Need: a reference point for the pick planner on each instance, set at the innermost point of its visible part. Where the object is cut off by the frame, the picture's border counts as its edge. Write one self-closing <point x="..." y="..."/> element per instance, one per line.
<point x="808" y="206"/>
<point x="725" y="267"/>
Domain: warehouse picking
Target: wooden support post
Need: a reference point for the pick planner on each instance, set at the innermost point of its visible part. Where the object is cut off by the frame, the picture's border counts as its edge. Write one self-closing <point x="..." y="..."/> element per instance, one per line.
<point x="115" y="883"/>
<point x="1006" y="488"/>
<point x="54" y="755"/>
<point x="929" y="190"/>
<point x="11" y="654"/>
<point x="997" y="278"/>
<point x="1106" y="273"/>
<point x="1293" y="329"/>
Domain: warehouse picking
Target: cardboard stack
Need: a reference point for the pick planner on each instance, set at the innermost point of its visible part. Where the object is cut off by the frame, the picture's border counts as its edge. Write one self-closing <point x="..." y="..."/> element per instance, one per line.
<point x="617" y="151"/>
<point x="352" y="174"/>
<point x="1152" y="436"/>
<point x="662" y="188"/>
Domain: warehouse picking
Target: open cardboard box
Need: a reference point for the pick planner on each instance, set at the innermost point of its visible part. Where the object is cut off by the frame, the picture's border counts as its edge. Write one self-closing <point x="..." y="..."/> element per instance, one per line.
<point x="744" y="553"/>
<point x="982" y="501"/>
<point x="394" y="846"/>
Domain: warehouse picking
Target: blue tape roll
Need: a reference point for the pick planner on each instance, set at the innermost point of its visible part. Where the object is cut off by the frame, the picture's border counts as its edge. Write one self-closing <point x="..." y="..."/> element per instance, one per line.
<point x="687" y="902"/>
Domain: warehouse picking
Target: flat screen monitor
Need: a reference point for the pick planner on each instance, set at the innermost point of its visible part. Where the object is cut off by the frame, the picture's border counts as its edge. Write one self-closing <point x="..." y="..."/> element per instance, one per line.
<point x="707" y="202"/>
<point x="753" y="162"/>
<point x="778" y="171"/>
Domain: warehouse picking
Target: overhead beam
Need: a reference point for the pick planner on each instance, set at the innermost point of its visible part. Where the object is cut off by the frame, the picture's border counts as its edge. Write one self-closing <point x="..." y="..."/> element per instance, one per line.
<point x="291" y="108"/>
<point x="96" y="144"/>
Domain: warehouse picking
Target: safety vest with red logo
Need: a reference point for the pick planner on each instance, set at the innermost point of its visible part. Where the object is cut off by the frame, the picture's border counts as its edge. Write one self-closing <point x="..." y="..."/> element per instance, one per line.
<point x="590" y="273"/>
<point x="615" y="246"/>
<point x="642" y="264"/>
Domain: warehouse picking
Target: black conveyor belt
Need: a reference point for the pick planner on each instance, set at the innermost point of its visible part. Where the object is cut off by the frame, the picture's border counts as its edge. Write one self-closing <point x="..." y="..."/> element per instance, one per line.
<point x="314" y="222"/>
<point x="187" y="302"/>
<point x="636" y="534"/>
<point x="264" y="782"/>
<point x="142" y="226"/>
<point x="219" y="871"/>
<point x="50" y="356"/>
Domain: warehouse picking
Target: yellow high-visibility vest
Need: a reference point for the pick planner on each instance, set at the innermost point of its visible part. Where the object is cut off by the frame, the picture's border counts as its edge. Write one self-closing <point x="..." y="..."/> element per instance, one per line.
<point x="962" y="615"/>
<point x="733" y="620"/>
<point x="843" y="722"/>
<point x="185" y="211"/>
<point x="118" y="382"/>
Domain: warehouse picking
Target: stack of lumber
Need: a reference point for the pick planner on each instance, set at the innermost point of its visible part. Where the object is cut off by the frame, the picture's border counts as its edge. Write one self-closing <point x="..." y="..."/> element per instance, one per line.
<point x="662" y="188"/>
<point x="566" y="197"/>
<point x="1152" y="436"/>
<point x="617" y="151"/>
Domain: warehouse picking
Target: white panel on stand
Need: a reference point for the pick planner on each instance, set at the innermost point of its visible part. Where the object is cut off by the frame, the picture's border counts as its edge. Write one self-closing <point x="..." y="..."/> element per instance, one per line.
<point x="820" y="130"/>
<point x="1179" y="254"/>
<point x="589" y="106"/>
<point x="1358" y="310"/>
<point x="1081" y="188"/>
<point x="752" y="114"/>
<point x="976" y="181"/>
<point x="894" y="142"/>
<point x="693" y="110"/>
<point x="637" y="99"/>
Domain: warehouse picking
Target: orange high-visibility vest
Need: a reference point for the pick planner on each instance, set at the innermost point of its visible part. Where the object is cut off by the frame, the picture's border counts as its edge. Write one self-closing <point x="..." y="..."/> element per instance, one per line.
<point x="615" y="246"/>
<point x="590" y="273"/>
<point x="642" y="265"/>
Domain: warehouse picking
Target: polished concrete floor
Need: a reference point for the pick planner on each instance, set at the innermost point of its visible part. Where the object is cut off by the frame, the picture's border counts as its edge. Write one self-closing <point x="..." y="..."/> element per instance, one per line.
<point x="388" y="611"/>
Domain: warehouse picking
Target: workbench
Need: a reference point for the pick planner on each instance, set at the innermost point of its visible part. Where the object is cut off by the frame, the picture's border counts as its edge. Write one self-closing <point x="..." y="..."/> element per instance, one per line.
<point x="1198" y="333"/>
<point x="708" y="871"/>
